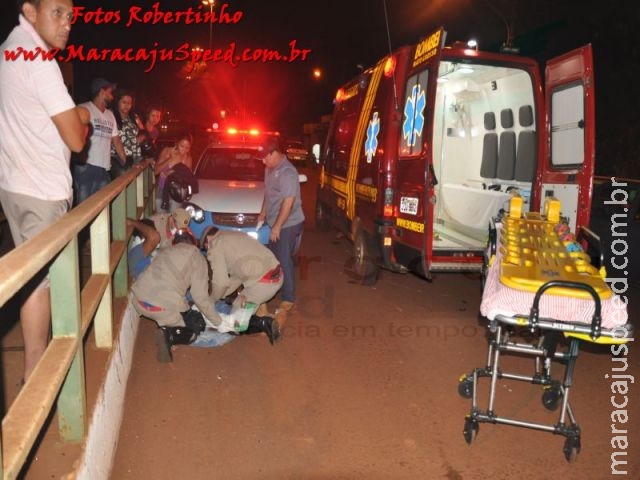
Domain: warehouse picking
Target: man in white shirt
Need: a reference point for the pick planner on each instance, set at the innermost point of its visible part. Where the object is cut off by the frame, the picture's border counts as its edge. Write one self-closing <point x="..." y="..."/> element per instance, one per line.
<point x="39" y="127"/>
<point x="91" y="176"/>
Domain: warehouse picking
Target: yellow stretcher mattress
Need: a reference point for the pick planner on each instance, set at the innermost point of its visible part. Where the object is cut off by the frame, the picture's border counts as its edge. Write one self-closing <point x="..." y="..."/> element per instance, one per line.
<point x="533" y="253"/>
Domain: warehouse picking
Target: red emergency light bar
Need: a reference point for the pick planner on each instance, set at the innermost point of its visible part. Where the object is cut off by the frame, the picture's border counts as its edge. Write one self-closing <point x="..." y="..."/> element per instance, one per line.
<point x="254" y="132"/>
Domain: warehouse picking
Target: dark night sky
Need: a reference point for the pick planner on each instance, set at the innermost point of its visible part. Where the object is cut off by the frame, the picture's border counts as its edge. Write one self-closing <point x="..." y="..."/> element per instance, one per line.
<point x="345" y="33"/>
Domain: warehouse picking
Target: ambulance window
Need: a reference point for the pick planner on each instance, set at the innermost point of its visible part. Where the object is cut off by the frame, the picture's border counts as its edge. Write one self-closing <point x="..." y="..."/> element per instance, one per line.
<point x="413" y="119"/>
<point x="343" y="140"/>
<point x="567" y="126"/>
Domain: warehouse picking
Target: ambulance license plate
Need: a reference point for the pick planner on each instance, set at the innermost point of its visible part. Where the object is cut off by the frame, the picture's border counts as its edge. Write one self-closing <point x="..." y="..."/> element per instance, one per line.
<point x="409" y="205"/>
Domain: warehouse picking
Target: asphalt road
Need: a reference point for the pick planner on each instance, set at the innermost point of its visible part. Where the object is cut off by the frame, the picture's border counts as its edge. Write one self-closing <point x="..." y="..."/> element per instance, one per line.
<point x="363" y="386"/>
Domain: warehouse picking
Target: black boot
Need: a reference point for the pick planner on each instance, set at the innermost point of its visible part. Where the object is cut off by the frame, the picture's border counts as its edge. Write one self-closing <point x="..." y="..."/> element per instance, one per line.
<point x="166" y="337"/>
<point x="266" y="325"/>
<point x="194" y="320"/>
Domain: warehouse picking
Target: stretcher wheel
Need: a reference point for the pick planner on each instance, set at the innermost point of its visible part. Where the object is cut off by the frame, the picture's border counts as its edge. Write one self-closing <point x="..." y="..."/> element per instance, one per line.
<point x="550" y="398"/>
<point x="571" y="448"/>
<point x="470" y="431"/>
<point x="465" y="388"/>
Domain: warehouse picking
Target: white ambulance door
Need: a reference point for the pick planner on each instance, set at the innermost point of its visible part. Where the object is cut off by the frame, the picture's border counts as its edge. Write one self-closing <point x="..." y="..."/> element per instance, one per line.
<point x="567" y="170"/>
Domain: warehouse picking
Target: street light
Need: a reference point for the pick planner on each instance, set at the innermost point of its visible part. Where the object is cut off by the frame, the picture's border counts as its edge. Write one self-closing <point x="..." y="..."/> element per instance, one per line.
<point x="210" y="4"/>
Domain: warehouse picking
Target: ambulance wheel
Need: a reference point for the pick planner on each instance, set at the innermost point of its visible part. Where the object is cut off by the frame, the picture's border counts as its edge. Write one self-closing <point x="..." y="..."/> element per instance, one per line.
<point x="470" y="431"/>
<point x="365" y="261"/>
<point x="571" y="448"/>
<point x="323" y="222"/>
<point x="465" y="388"/>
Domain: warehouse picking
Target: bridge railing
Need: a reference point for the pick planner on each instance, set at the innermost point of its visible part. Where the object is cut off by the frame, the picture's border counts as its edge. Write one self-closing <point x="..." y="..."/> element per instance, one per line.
<point x="58" y="381"/>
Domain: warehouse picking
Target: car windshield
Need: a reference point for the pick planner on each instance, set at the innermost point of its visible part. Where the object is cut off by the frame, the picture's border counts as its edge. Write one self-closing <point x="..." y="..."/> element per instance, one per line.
<point x="241" y="164"/>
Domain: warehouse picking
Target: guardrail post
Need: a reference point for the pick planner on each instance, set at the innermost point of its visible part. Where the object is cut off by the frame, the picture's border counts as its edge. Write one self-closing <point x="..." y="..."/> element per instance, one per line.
<point x="140" y="192"/>
<point x="66" y="322"/>
<point x="100" y="258"/>
<point x="119" y="229"/>
<point x="132" y="200"/>
<point x="150" y="191"/>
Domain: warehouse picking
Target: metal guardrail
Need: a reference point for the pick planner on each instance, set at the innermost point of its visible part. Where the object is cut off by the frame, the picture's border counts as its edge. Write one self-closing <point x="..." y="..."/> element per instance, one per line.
<point x="58" y="381"/>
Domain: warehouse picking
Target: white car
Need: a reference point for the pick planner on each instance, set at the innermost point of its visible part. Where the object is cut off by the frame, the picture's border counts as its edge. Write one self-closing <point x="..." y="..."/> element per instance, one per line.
<point x="230" y="177"/>
<point x="230" y="190"/>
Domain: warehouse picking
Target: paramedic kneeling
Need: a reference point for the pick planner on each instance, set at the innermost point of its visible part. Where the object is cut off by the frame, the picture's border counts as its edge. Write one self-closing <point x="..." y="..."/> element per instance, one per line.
<point x="238" y="260"/>
<point x="160" y="293"/>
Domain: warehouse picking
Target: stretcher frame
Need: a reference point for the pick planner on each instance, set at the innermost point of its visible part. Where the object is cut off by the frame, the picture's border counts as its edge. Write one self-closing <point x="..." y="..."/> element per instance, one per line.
<point x="501" y="331"/>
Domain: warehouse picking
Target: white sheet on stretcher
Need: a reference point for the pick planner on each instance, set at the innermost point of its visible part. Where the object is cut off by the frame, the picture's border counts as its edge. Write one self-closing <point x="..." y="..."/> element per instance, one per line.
<point x="499" y="299"/>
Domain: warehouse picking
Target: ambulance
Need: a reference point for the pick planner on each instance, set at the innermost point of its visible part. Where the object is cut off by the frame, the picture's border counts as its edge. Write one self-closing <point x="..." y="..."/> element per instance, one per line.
<point x="429" y="144"/>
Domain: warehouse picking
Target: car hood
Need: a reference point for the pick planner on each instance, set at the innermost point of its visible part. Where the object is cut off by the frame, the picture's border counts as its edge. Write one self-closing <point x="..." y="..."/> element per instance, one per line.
<point x="229" y="196"/>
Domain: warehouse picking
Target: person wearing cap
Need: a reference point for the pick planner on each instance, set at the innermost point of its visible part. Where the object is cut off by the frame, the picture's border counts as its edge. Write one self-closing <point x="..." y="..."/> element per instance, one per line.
<point x="40" y="125"/>
<point x="238" y="260"/>
<point x="168" y="223"/>
<point x="282" y="210"/>
<point x="160" y="293"/>
<point x="91" y="173"/>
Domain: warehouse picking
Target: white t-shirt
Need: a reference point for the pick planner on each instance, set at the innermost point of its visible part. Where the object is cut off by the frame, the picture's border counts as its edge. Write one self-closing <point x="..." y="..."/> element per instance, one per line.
<point x="104" y="129"/>
<point x="34" y="160"/>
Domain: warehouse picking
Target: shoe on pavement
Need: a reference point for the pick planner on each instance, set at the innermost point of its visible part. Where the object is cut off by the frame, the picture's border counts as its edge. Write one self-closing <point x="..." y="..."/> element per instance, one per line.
<point x="282" y="312"/>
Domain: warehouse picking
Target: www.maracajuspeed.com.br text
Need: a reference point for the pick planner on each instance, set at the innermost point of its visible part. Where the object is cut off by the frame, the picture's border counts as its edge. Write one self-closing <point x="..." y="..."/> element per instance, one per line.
<point x="231" y="54"/>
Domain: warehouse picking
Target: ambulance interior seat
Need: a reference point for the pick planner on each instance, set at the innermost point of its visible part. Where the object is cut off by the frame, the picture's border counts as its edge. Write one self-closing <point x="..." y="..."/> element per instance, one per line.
<point x="489" y="165"/>
<point x="468" y="209"/>
<point x="527" y="148"/>
<point x="506" y="147"/>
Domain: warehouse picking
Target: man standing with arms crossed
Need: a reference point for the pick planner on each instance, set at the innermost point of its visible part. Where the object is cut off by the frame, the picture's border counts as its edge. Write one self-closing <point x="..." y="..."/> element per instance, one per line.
<point x="94" y="174"/>
<point x="39" y="127"/>
<point x="282" y="210"/>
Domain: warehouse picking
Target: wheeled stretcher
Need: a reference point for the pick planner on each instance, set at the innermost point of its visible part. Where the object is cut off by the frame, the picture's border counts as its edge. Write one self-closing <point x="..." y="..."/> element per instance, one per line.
<point x="534" y="284"/>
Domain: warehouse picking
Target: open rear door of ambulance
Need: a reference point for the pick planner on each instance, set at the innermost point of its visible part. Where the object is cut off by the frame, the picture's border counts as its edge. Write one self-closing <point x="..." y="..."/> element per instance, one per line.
<point x="567" y="170"/>
<point x="413" y="209"/>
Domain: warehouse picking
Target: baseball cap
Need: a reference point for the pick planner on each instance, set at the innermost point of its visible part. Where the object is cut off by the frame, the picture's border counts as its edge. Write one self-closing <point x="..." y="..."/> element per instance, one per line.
<point x="98" y="84"/>
<point x="181" y="217"/>
<point x="184" y="235"/>
<point x="270" y="146"/>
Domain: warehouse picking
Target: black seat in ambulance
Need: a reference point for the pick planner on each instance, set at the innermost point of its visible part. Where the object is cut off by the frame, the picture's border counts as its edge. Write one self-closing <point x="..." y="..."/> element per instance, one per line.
<point x="527" y="150"/>
<point x="489" y="165"/>
<point x="507" y="146"/>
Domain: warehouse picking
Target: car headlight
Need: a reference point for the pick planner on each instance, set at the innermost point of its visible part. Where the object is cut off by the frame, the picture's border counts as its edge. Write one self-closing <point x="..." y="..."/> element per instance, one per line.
<point x="196" y="213"/>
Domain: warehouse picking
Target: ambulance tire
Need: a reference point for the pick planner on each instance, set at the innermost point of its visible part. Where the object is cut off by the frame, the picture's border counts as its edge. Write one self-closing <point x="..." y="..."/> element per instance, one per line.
<point x="323" y="222"/>
<point x="365" y="258"/>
